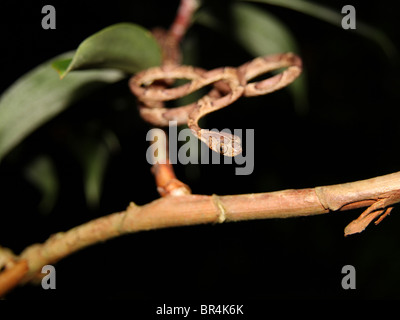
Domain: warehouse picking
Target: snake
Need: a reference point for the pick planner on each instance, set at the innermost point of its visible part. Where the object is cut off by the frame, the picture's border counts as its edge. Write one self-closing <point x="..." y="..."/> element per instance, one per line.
<point x="228" y="85"/>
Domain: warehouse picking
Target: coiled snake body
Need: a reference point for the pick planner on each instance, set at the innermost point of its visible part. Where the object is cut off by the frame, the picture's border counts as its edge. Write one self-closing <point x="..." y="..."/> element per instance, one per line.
<point x="229" y="84"/>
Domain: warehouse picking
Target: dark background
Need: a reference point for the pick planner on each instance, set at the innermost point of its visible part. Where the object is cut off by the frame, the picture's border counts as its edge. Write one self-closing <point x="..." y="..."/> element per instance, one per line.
<point x="348" y="131"/>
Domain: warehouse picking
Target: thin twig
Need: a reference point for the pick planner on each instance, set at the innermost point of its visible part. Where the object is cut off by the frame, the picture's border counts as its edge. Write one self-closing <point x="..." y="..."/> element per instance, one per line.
<point x="167" y="182"/>
<point x="10" y="277"/>
<point x="183" y="19"/>
<point x="163" y="171"/>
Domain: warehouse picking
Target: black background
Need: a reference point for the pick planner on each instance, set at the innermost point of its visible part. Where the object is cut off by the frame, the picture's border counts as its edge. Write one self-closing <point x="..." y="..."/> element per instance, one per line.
<point x="348" y="132"/>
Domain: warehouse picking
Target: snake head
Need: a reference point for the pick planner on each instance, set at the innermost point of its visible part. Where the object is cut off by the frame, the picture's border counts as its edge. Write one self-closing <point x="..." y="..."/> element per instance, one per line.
<point x="225" y="143"/>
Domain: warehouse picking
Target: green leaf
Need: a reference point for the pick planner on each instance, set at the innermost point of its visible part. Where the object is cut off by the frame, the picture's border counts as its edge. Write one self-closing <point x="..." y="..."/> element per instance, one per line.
<point x="61" y="66"/>
<point x="42" y="174"/>
<point x="39" y="95"/>
<point x="94" y="164"/>
<point x="334" y="16"/>
<point x="93" y="152"/>
<point x="124" y="46"/>
<point x="259" y="32"/>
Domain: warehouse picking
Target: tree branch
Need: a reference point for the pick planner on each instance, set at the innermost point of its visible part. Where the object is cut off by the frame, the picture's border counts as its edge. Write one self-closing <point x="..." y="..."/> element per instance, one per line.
<point x="172" y="211"/>
<point x="12" y="276"/>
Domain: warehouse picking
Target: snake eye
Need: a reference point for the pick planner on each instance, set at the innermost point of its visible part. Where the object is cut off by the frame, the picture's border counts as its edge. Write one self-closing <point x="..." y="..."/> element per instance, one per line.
<point x="223" y="149"/>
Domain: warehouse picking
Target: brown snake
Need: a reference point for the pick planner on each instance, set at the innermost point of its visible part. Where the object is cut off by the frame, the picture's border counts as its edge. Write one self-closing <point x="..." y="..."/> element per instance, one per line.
<point x="229" y="84"/>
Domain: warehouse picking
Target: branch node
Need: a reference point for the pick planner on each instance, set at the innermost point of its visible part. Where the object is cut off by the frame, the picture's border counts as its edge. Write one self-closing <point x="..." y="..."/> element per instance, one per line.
<point x="323" y="199"/>
<point x="132" y="206"/>
<point x="220" y="208"/>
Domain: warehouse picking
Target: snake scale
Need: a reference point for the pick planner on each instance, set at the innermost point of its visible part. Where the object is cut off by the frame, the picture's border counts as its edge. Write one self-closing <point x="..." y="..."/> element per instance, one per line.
<point x="229" y="84"/>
